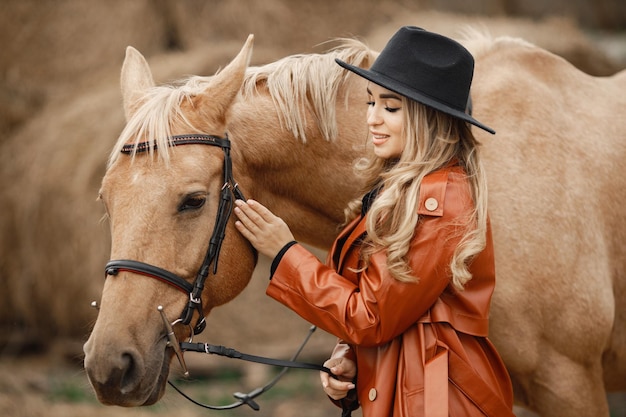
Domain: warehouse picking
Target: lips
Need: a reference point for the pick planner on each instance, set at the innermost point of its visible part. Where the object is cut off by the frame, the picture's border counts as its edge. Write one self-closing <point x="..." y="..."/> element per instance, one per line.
<point x="379" y="138"/>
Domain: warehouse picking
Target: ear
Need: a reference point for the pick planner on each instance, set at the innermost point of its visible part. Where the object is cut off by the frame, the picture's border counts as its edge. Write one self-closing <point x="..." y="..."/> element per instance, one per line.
<point x="225" y="85"/>
<point x="136" y="78"/>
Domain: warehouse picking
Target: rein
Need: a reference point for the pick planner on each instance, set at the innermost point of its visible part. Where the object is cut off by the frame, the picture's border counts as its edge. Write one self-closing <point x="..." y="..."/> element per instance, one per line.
<point x="346" y="409"/>
<point x="229" y="190"/>
<point x="248" y="398"/>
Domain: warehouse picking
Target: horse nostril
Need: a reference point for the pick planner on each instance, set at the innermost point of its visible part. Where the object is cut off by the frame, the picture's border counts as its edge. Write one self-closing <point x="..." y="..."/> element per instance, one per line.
<point x="128" y="377"/>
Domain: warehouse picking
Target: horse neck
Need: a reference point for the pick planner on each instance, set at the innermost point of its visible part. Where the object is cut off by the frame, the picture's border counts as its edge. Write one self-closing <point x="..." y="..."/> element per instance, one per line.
<point x="308" y="184"/>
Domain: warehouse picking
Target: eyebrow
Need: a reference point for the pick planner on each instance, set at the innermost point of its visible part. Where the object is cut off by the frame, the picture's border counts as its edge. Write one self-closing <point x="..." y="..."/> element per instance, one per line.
<point x="386" y="96"/>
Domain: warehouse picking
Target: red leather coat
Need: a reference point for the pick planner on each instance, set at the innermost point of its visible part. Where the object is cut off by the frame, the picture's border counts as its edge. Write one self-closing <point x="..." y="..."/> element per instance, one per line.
<point x="421" y="348"/>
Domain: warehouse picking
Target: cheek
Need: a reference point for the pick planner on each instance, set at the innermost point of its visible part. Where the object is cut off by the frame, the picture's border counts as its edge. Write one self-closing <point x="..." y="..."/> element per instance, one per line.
<point x="398" y="146"/>
<point x="399" y="138"/>
<point x="398" y="130"/>
<point x="396" y="123"/>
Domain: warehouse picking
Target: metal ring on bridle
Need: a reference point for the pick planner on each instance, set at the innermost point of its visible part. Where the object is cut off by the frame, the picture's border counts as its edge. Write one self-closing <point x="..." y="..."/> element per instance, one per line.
<point x="175" y="322"/>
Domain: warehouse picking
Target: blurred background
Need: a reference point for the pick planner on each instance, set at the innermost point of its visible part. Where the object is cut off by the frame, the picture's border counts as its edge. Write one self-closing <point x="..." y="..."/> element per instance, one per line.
<point x="60" y="113"/>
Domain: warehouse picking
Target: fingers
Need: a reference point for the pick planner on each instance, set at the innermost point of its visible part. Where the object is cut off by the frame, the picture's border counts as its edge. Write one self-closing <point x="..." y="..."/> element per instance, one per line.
<point x="256" y="212"/>
<point x="254" y="217"/>
<point x="334" y="388"/>
<point x="244" y="229"/>
<point x="263" y="212"/>
<point x="247" y="214"/>
<point x="342" y="367"/>
<point x="337" y="369"/>
<point x="324" y="378"/>
<point x="343" y="370"/>
<point x="267" y="232"/>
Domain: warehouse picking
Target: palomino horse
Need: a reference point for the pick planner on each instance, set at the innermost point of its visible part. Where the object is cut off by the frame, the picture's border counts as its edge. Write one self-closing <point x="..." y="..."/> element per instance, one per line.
<point x="557" y="177"/>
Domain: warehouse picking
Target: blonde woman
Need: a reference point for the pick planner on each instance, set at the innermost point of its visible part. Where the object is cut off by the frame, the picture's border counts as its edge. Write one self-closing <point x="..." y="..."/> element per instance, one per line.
<point x="408" y="282"/>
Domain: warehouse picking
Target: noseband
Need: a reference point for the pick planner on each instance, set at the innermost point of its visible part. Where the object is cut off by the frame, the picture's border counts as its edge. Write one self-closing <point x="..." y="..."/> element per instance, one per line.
<point x="229" y="190"/>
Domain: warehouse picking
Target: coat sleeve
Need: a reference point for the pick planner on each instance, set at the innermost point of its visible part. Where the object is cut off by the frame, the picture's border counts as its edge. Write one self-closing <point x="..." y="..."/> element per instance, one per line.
<point x="376" y="308"/>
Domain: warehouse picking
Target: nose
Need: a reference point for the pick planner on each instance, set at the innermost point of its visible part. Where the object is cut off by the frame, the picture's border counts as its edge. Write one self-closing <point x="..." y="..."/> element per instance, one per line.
<point x="373" y="116"/>
<point x="120" y="374"/>
<point x="126" y="374"/>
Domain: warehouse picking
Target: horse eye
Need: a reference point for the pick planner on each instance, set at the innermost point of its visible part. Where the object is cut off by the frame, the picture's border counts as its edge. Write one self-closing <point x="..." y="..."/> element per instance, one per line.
<point x="192" y="203"/>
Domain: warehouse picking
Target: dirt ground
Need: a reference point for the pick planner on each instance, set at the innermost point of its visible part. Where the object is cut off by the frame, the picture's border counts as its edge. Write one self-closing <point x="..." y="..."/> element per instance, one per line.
<point x="45" y="386"/>
<point x="50" y="386"/>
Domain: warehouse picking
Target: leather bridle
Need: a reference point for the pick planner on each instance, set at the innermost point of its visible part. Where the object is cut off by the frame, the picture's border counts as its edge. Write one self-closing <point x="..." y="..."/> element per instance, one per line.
<point x="229" y="190"/>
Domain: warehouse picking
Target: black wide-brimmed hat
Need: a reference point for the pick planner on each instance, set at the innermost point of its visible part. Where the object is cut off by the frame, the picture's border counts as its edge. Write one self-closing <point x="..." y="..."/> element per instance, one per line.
<point x="426" y="67"/>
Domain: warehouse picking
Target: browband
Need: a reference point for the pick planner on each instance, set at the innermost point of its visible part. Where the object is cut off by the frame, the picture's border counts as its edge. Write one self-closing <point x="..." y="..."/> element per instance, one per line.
<point x="178" y="140"/>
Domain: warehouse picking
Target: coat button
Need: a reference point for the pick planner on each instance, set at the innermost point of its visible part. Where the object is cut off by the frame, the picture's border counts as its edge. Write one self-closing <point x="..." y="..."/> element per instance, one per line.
<point x="372" y="394"/>
<point x="431" y="204"/>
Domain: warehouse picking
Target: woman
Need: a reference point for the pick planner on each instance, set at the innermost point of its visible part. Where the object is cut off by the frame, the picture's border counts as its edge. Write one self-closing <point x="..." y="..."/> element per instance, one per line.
<point x="409" y="280"/>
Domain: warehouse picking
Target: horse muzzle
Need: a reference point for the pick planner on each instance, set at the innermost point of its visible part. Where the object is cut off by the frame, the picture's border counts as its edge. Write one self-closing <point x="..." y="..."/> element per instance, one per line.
<point x="121" y="373"/>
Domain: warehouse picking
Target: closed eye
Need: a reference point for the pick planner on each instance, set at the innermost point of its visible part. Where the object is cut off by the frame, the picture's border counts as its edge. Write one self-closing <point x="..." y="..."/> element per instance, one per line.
<point x="192" y="202"/>
<point x="387" y="108"/>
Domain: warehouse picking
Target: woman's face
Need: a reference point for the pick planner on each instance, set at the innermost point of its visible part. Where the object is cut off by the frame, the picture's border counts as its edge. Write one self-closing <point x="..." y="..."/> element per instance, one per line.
<point x="385" y="118"/>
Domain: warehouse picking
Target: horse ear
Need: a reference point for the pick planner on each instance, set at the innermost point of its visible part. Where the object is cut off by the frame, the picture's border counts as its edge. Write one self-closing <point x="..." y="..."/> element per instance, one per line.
<point x="136" y="78"/>
<point x="225" y="85"/>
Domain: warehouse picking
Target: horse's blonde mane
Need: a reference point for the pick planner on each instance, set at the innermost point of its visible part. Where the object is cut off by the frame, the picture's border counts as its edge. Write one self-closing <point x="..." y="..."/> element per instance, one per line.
<point x="297" y="84"/>
<point x="160" y="106"/>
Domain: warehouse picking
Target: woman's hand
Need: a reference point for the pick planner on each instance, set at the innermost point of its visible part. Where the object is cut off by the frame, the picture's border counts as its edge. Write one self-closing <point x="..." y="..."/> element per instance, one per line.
<point x="267" y="232"/>
<point x="345" y="370"/>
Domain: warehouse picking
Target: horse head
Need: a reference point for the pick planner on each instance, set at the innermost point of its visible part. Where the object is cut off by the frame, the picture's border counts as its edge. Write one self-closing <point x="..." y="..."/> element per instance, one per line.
<point x="162" y="202"/>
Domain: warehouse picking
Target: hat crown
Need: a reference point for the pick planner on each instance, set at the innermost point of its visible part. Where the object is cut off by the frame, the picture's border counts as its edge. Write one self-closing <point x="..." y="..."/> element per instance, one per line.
<point x="426" y="67"/>
<point x="427" y="64"/>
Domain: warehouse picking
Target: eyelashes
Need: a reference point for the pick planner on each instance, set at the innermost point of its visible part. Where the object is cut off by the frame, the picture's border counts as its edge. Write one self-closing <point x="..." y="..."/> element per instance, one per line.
<point x="389" y="109"/>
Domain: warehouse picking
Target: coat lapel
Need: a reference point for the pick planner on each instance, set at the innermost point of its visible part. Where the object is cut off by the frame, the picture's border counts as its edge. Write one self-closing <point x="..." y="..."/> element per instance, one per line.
<point x="346" y="240"/>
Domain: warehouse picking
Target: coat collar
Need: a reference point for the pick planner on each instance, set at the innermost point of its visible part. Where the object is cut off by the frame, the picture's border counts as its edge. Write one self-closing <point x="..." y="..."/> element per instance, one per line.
<point x="346" y="239"/>
<point x="433" y="188"/>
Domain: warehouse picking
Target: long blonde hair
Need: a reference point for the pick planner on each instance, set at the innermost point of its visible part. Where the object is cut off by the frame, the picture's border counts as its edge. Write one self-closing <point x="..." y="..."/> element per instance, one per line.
<point x="434" y="139"/>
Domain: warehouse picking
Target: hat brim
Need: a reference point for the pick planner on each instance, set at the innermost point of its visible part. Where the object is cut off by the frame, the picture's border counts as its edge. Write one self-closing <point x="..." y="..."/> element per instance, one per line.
<point x="404" y="90"/>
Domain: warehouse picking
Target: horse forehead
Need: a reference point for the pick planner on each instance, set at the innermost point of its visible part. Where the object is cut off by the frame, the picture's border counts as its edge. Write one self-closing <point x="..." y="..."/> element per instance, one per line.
<point x="128" y="172"/>
<point x="146" y="172"/>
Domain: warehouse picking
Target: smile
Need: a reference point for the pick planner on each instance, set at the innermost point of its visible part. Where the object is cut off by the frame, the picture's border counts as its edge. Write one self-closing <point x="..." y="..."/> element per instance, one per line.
<point x="379" y="139"/>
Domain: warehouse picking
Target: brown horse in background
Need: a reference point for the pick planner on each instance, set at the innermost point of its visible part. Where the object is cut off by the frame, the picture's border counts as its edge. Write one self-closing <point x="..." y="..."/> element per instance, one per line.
<point x="557" y="191"/>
